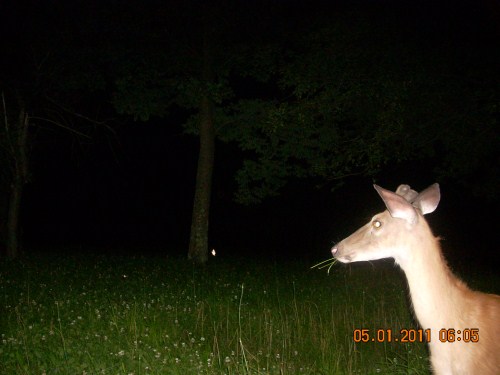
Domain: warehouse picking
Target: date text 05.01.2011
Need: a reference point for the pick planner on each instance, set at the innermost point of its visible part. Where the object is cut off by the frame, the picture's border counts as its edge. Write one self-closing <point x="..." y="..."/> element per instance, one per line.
<point x="387" y="335"/>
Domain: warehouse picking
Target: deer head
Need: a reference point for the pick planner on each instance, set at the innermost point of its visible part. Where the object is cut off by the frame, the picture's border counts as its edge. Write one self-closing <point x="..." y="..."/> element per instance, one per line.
<point x="390" y="234"/>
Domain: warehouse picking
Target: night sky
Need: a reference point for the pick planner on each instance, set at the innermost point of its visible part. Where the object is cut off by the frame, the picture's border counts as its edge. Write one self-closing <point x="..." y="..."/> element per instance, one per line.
<point x="130" y="190"/>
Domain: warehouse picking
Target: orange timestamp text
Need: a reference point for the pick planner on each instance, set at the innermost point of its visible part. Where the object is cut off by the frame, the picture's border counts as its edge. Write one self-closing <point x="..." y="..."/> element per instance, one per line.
<point x="457" y="335"/>
<point x="415" y="335"/>
<point x="387" y="335"/>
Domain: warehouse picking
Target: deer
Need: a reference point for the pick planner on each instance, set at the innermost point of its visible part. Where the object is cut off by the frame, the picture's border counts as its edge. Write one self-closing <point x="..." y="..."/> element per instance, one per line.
<point x="440" y="300"/>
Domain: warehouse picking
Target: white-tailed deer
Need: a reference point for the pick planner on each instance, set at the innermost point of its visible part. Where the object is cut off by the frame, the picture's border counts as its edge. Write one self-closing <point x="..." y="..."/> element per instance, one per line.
<point x="440" y="299"/>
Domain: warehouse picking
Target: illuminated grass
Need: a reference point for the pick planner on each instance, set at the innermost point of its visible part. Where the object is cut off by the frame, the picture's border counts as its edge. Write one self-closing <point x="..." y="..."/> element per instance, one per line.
<point x="117" y="315"/>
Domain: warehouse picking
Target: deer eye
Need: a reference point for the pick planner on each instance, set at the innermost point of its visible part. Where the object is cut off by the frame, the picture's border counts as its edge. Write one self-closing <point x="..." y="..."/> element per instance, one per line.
<point x="377" y="224"/>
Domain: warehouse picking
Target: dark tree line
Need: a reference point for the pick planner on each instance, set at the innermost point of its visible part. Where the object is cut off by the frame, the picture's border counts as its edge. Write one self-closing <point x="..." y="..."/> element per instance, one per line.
<point x="315" y="92"/>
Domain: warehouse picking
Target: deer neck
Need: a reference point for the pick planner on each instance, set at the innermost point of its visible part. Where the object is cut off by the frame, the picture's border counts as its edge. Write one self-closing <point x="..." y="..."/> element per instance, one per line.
<point x="432" y="286"/>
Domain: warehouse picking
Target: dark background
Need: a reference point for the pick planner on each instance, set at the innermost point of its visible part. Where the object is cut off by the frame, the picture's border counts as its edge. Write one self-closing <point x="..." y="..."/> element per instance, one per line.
<point x="138" y="199"/>
<point x="132" y="192"/>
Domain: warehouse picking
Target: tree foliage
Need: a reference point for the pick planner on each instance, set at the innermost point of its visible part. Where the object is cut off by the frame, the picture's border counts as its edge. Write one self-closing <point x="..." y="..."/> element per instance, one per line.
<point x="352" y="98"/>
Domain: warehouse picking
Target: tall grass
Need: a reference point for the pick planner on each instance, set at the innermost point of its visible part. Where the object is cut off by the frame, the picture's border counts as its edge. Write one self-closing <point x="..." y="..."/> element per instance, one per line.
<point x="119" y="315"/>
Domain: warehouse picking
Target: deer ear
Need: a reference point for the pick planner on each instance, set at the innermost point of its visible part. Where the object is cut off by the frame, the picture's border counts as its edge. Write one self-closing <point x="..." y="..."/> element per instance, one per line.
<point x="397" y="206"/>
<point x="428" y="200"/>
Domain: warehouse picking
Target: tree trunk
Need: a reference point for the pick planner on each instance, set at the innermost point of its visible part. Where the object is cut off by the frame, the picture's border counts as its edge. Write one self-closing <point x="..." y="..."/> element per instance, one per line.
<point x="4" y="209"/>
<point x="13" y="220"/>
<point x="198" y="243"/>
<point x="19" y="143"/>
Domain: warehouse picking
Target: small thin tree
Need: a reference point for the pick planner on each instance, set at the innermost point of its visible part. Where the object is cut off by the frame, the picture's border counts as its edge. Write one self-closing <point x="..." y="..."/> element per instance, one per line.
<point x="15" y="147"/>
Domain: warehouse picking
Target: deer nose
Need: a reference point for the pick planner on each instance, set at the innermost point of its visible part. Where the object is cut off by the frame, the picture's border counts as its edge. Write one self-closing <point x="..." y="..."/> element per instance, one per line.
<point x="335" y="249"/>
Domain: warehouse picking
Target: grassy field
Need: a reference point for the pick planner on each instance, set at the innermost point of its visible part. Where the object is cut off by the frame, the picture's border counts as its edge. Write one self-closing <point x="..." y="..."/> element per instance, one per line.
<point x="126" y="315"/>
